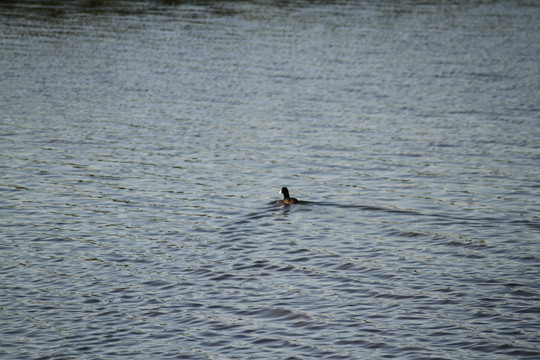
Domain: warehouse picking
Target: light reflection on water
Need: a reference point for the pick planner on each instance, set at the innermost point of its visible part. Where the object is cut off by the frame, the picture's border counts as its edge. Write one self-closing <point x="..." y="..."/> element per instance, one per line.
<point x="143" y="147"/>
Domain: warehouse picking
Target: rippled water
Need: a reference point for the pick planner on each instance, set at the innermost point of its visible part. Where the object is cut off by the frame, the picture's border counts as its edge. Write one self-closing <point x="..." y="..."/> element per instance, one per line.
<point x="143" y="144"/>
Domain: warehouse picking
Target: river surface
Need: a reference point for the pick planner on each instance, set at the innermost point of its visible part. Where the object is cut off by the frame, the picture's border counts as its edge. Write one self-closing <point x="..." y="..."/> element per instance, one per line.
<point x="143" y="145"/>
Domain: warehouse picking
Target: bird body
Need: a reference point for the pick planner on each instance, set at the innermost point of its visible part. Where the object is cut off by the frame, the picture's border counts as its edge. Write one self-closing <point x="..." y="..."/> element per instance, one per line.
<point x="287" y="199"/>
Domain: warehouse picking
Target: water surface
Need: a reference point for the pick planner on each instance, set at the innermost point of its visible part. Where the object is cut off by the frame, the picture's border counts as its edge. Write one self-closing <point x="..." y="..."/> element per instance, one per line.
<point x="143" y="144"/>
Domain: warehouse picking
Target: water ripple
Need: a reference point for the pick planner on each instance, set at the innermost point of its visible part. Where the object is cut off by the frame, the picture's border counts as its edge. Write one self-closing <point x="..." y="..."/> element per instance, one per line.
<point x="141" y="151"/>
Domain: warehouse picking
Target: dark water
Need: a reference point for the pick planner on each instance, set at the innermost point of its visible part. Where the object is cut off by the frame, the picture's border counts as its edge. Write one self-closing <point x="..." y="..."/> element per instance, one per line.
<point x="142" y="146"/>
